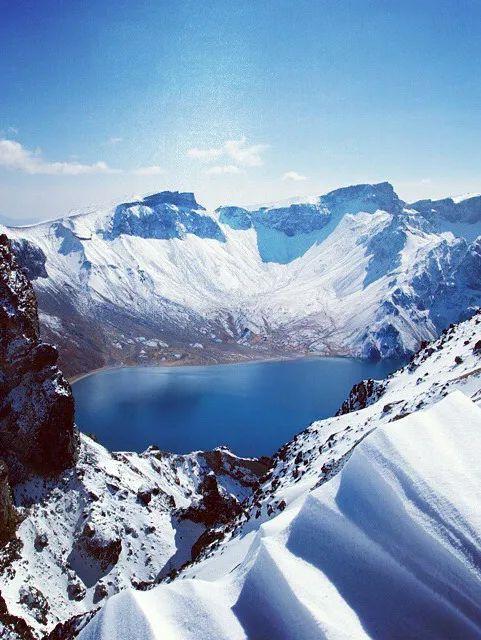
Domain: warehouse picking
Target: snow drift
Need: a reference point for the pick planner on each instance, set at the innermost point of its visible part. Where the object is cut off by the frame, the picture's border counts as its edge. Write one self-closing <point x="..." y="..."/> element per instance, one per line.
<point x="389" y="548"/>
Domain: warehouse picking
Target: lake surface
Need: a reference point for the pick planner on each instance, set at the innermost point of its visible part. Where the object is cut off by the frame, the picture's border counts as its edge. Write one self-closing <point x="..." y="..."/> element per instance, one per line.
<point x="253" y="408"/>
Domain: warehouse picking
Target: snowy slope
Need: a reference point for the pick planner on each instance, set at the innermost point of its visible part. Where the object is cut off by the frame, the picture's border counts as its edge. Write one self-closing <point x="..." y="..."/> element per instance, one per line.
<point x="345" y="535"/>
<point x="354" y="272"/>
<point x="113" y="521"/>
<point x="389" y="548"/>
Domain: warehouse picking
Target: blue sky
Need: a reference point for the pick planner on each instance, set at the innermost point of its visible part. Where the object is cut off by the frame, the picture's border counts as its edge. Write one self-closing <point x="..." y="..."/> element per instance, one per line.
<point x="240" y="102"/>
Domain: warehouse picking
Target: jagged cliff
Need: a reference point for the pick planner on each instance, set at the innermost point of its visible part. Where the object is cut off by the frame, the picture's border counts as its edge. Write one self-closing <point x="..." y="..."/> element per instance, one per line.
<point x="37" y="432"/>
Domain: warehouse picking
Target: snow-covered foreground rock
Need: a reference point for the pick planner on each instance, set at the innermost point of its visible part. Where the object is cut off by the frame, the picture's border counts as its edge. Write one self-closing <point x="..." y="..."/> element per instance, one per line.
<point x="388" y="548"/>
<point x="356" y="271"/>
<point x="111" y="522"/>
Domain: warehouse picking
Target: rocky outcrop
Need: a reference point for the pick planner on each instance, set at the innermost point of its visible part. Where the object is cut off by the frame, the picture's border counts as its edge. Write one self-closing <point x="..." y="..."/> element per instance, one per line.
<point x="72" y="627"/>
<point x="247" y="471"/>
<point x="361" y="395"/>
<point x="12" y="627"/>
<point x="31" y="258"/>
<point x="215" y="507"/>
<point x="100" y="545"/>
<point x="8" y="515"/>
<point x="37" y="432"/>
<point x="164" y="216"/>
<point x="467" y="210"/>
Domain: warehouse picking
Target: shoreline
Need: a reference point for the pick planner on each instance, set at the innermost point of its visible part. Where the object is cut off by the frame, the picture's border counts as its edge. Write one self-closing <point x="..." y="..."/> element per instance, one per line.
<point x="177" y="364"/>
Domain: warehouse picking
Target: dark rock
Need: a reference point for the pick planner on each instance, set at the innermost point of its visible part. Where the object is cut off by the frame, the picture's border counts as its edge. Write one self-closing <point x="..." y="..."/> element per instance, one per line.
<point x="72" y="627"/>
<point x="246" y="471"/>
<point x="12" y="627"/>
<point x="100" y="592"/>
<point x="37" y="432"/>
<point x="35" y="601"/>
<point x="361" y="395"/>
<point x="205" y="540"/>
<point x="76" y="591"/>
<point x="41" y="541"/>
<point x="214" y="507"/>
<point x="144" y="496"/>
<point x="30" y="258"/>
<point x="8" y="515"/>
<point x="104" y="547"/>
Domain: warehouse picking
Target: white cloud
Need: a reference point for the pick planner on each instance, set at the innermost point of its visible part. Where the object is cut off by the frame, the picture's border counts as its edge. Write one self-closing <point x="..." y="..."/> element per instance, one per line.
<point x="293" y="175"/>
<point x="15" y="157"/>
<point x="237" y="150"/>
<point x="223" y="169"/>
<point x="206" y="155"/>
<point x="153" y="170"/>
<point x="249" y="156"/>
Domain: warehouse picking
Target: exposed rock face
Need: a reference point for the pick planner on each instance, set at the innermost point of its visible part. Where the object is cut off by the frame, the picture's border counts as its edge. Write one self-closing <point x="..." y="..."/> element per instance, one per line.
<point x="361" y="395"/>
<point x="8" y="516"/>
<point x="468" y="210"/>
<point x="71" y="628"/>
<point x="100" y="545"/>
<point x="37" y="432"/>
<point x="215" y="507"/>
<point x="246" y="471"/>
<point x="164" y="216"/>
<point x="31" y="258"/>
<point x="11" y="626"/>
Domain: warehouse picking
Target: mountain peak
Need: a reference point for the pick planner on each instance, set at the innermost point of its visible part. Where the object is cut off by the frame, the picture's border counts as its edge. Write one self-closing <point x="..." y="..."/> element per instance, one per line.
<point x="364" y="197"/>
<point x="183" y="199"/>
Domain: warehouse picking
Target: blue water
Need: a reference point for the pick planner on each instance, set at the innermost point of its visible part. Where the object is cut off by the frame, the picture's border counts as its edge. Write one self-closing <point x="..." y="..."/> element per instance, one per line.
<point x="253" y="408"/>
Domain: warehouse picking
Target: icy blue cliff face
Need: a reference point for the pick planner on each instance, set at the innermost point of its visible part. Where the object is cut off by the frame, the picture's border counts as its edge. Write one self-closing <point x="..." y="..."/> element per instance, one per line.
<point x="293" y="220"/>
<point x="235" y="217"/>
<point x="164" y="216"/>
<point x="286" y="233"/>
<point x="363" y="197"/>
<point x="467" y="211"/>
<point x="384" y="250"/>
<point x="69" y="241"/>
<point x="181" y="199"/>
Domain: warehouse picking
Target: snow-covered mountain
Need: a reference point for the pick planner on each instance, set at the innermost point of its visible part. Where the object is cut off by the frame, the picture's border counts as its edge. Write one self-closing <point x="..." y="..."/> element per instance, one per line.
<point x="341" y="535"/>
<point x="354" y="272"/>
<point x="366" y="526"/>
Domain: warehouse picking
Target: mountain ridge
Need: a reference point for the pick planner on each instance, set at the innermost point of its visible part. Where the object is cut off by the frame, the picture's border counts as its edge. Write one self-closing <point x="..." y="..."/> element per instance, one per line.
<point x="147" y="280"/>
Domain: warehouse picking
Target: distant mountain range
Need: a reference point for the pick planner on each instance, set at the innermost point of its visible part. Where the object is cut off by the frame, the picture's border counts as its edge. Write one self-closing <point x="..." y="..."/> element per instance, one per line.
<point x="356" y="271"/>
